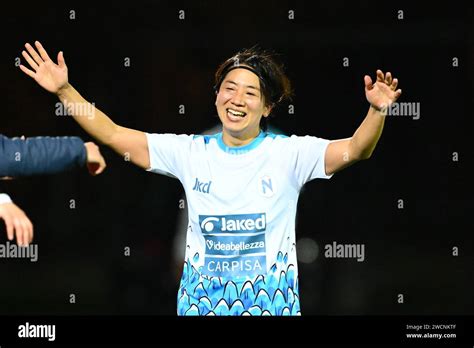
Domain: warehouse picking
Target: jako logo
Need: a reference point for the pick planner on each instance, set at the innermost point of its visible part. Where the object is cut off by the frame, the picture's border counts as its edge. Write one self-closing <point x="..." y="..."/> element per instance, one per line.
<point x="233" y="223"/>
<point x="203" y="187"/>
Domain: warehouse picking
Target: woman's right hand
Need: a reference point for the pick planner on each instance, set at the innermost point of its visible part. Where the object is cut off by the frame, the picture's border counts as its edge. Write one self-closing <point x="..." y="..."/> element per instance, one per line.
<point x="49" y="75"/>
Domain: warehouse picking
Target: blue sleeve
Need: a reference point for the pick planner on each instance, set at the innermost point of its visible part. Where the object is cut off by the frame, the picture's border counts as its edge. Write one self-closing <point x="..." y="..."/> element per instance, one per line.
<point x="40" y="155"/>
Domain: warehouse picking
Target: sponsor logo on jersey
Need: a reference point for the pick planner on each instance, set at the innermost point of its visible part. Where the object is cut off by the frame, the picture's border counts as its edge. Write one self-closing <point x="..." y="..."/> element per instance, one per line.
<point x="236" y="266"/>
<point x="232" y="223"/>
<point x="234" y="244"/>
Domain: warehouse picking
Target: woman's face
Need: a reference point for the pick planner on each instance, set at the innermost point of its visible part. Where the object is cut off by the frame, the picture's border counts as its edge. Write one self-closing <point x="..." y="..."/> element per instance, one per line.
<point x="240" y="103"/>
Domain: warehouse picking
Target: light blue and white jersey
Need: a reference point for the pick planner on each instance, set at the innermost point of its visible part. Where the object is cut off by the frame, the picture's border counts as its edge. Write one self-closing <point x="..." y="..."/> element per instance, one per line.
<point x="240" y="254"/>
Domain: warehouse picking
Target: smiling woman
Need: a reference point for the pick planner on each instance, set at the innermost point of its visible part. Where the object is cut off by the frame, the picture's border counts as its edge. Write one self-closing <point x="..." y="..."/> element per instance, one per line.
<point x="248" y="86"/>
<point x="242" y="184"/>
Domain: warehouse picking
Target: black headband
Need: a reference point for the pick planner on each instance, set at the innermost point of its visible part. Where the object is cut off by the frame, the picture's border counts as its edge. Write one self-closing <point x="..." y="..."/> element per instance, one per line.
<point x="234" y="66"/>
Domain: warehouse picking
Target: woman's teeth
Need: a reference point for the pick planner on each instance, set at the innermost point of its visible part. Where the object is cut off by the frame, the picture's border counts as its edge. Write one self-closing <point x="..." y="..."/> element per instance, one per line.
<point x="236" y="113"/>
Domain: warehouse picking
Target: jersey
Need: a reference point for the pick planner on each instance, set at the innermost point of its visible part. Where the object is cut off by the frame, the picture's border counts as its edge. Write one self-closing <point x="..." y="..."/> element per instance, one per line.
<point x="240" y="256"/>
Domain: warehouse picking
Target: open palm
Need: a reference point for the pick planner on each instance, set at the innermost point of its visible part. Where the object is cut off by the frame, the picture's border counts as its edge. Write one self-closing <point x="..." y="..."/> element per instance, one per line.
<point x="49" y="75"/>
<point x="383" y="92"/>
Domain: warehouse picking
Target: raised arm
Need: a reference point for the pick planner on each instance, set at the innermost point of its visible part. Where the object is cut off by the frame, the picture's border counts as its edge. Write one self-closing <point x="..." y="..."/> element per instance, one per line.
<point x="54" y="78"/>
<point x="345" y="152"/>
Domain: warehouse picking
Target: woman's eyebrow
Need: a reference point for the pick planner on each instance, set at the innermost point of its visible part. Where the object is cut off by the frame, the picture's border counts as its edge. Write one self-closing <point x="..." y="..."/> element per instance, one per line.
<point x="248" y="86"/>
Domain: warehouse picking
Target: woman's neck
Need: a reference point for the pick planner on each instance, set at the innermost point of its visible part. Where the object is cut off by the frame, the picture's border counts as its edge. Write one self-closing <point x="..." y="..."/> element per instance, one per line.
<point x="239" y="140"/>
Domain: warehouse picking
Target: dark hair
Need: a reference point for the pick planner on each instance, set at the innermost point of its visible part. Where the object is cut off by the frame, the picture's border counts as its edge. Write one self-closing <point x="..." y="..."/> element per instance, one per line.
<point x="274" y="84"/>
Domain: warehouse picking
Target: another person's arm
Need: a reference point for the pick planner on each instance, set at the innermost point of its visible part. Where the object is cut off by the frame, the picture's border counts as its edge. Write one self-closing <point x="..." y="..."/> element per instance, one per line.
<point x="54" y="78"/>
<point x="16" y="221"/>
<point x="47" y="155"/>
<point x="345" y="152"/>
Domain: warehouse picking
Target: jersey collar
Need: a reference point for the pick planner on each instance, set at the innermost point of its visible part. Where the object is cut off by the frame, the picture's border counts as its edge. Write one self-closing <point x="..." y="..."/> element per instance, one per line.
<point x="237" y="150"/>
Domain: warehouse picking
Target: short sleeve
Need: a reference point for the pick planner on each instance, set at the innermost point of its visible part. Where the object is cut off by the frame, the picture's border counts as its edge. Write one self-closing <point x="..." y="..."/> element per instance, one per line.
<point x="309" y="158"/>
<point x="168" y="153"/>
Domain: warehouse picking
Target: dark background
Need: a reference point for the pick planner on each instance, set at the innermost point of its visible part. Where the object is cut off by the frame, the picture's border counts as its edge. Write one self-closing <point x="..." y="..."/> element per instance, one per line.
<point x="408" y="251"/>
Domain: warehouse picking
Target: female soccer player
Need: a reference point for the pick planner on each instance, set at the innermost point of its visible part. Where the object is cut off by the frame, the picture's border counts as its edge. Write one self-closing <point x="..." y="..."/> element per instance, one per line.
<point x="241" y="184"/>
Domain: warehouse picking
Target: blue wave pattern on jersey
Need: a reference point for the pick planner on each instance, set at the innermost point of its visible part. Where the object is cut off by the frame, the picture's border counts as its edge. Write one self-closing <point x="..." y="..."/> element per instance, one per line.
<point x="275" y="293"/>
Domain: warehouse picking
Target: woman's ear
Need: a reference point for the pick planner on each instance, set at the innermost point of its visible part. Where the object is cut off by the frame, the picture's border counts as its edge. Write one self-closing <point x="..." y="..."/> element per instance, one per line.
<point x="267" y="110"/>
